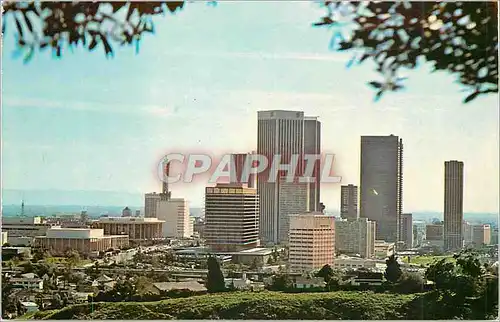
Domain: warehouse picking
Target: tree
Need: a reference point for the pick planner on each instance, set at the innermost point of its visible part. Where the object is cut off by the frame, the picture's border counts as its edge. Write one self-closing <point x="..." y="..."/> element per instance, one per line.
<point x="215" y="278"/>
<point x="7" y="303"/>
<point x="465" y="287"/>
<point x="326" y="272"/>
<point x="458" y="37"/>
<point x="65" y="25"/>
<point x="393" y="271"/>
<point x="281" y="282"/>
<point x="410" y="283"/>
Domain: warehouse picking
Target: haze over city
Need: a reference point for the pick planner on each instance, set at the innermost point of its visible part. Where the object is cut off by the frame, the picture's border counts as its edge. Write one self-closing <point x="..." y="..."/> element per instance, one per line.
<point x="109" y="126"/>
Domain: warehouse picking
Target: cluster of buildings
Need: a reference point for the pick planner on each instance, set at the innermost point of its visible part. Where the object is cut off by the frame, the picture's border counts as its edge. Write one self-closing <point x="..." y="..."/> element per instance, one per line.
<point x="244" y="215"/>
<point x="238" y="216"/>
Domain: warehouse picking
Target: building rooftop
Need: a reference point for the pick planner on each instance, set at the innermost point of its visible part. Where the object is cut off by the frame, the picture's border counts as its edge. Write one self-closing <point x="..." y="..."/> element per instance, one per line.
<point x="255" y="251"/>
<point x="186" y="285"/>
<point x="130" y="219"/>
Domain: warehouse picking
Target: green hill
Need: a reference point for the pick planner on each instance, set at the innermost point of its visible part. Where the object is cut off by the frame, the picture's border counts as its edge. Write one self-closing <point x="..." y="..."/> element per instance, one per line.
<point x="244" y="305"/>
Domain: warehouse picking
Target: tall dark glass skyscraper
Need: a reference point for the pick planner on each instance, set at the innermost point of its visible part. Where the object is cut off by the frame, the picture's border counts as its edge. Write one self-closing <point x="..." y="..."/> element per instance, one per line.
<point x="381" y="187"/>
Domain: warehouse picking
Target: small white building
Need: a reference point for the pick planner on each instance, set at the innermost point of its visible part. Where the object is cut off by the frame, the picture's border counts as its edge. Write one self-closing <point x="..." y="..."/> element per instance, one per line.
<point x="29" y="307"/>
<point x="29" y="281"/>
<point x="305" y="282"/>
<point x="345" y="262"/>
<point x="238" y="283"/>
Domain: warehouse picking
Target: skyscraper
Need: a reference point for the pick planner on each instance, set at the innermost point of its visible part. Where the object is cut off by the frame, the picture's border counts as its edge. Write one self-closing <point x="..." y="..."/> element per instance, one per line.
<point x="311" y="242"/>
<point x="293" y="200"/>
<point x="406" y="230"/>
<point x="151" y="201"/>
<point x="231" y="217"/>
<point x="481" y="235"/>
<point x="453" y="204"/>
<point x="283" y="133"/>
<point x="349" y="201"/>
<point x="382" y="183"/>
<point x="355" y="237"/>
<point x="175" y="213"/>
<point x="239" y="161"/>
<point x="312" y="145"/>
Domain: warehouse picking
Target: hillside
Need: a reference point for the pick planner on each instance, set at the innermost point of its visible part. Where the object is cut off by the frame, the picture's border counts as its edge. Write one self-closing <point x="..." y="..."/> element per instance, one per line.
<point x="265" y="305"/>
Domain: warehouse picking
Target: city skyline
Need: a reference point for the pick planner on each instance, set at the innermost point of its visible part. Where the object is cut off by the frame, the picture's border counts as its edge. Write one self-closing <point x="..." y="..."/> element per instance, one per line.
<point x="91" y="136"/>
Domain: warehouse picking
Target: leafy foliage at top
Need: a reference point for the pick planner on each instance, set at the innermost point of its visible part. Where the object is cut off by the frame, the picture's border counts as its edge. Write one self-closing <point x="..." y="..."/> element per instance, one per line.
<point x="393" y="271"/>
<point x="215" y="278"/>
<point x="458" y="37"/>
<point x="62" y="25"/>
<point x="466" y="287"/>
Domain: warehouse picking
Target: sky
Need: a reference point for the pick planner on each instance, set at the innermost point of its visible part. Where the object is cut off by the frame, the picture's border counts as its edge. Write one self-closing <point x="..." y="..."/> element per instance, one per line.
<point x="85" y="122"/>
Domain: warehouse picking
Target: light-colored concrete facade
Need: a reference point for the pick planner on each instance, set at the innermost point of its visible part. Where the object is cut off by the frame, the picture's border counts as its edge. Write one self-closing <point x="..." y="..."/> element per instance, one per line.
<point x="312" y="146"/>
<point x="293" y="200"/>
<point x="24" y="226"/>
<point x="355" y="237"/>
<point x="284" y="133"/>
<point x="84" y="240"/>
<point x="231" y="217"/>
<point x="138" y="229"/>
<point x="151" y="201"/>
<point x="175" y="213"/>
<point x="312" y="241"/>
<point x="349" y="201"/>
<point x="381" y="189"/>
<point x="467" y="233"/>
<point x="406" y="230"/>
<point x="453" y="204"/>
<point x="345" y="262"/>
<point x="236" y="168"/>
<point x="5" y="237"/>
<point x="481" y="235"/>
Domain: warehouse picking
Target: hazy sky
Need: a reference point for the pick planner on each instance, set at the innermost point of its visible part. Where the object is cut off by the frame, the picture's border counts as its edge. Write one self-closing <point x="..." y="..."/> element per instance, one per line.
<point x="90" y="123"/>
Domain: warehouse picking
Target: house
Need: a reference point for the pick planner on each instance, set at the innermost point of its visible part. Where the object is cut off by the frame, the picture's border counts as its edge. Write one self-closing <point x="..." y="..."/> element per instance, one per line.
<point x="367" y="279"/>
<point x="302" y="282"/>
<point x="81" y="297"/>
<point x="30" y="281"/>
<point x="28" y="307"/>
<point x="25" y="294"/>
<point x="186" y="285"/>
<point x="108" y="286"/>
<point x="104" y="279"/>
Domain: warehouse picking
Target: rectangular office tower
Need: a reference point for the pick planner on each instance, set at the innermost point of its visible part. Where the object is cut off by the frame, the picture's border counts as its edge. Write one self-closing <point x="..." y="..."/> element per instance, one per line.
<point x="349" y="202"/>
<point x="312" y="145"/>
<point x="382" y="183"/>
<point x="237" y="167"/>
<point x="406" y="230"/>
<point x="453" y="204"/>
<point x="284" y="133"/>
<point x="311" y="242"/>
<point x="231" y="217"/>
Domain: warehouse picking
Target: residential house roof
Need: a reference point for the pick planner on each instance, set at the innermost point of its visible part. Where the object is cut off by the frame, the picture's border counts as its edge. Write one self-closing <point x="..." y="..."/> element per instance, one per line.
<point x="186" y="285"/>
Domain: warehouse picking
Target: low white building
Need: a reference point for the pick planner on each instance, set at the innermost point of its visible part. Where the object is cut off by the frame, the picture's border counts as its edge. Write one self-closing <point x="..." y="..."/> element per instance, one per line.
<point x="4" y="237"/>
<point x="345" y="262"/>
<point x="29" y="281"/>
<point x="29" y="307"/>
<point x="307" y="282"/>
